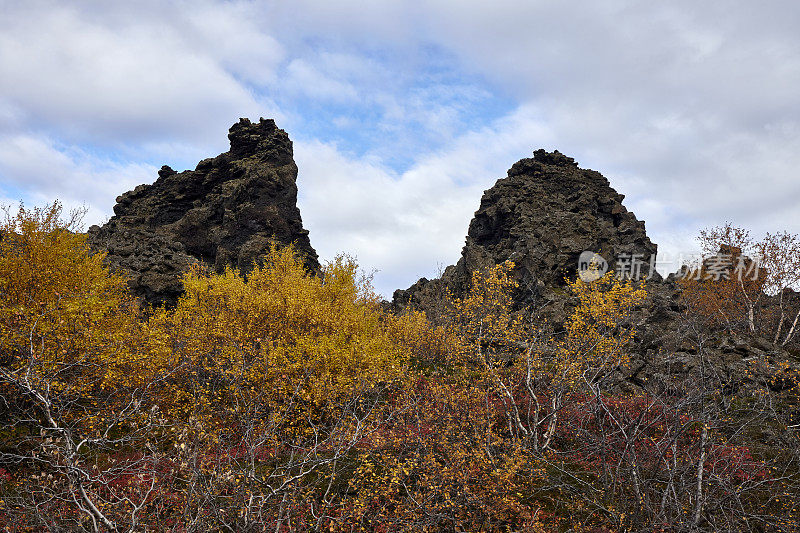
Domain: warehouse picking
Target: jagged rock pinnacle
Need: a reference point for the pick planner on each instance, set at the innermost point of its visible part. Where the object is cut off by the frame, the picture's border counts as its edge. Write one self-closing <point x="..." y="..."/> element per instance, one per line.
<point x="225" y="212"/>
<point x="542" y="216"/>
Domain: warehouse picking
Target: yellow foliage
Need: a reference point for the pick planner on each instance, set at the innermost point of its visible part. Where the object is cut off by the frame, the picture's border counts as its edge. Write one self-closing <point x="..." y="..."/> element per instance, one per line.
<point x="278" y="331"/>
<point x="64" y="319"/>
<point x="281" y="390"/>
<point x="597" y="330"/>
<point x="484" y="319"/>
<point x="424" y="343"/>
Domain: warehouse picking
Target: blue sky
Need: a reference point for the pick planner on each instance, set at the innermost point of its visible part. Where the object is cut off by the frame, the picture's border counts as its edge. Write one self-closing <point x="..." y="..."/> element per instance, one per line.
<point x="403" y="112"/>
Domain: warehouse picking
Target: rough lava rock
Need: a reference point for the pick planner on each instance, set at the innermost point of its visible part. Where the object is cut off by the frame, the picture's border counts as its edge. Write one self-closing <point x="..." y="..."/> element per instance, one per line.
<point x="542" y="216"/>
<point x="226" y="211"/>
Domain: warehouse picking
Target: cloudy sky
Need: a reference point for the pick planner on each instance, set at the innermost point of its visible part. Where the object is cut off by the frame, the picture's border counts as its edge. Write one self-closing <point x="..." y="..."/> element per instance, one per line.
<point x="403" y="112"/>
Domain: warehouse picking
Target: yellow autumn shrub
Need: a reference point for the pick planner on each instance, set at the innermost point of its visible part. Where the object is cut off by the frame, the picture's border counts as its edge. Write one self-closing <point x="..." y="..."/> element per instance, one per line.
<point x="598" y="331"/>
<point x="474" y="443"/>
<point x="485" y="318"/>
<point x="65" y="321"/>
<point x="279" y="331"/>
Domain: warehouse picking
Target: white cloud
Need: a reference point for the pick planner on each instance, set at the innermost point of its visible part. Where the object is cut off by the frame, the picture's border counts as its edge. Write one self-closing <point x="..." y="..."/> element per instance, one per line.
<point x="407" y="225"/>
<point x="690" y="109"/>
<point x="400" y="225"/>
<point x="122" y="79"/>
<point x="45" y="172"/>
<point x="231" y="34"/>
<point x="304" y="78"/>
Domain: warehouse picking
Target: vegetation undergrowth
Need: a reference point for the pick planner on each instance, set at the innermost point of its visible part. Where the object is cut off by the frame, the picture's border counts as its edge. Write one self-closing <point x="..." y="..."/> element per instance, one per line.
<point x="284" y="401"/>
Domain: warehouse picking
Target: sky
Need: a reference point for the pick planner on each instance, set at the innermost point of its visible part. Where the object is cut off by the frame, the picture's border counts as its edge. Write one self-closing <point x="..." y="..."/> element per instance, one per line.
<point x="403" y="112"/>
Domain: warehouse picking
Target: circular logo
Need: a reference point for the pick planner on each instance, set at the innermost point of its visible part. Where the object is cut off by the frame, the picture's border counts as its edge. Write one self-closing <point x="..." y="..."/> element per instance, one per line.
<point x="591" y="266"/>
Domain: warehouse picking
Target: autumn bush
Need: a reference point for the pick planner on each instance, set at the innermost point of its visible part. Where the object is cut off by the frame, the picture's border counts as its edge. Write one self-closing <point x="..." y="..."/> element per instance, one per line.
<point x="275" y="380"/>
<point x="480" y="442"/>
<point x="244" y="405"/>
<point x="285" y="401"/>
<point x="747" y="285"/>
<point x="70" y="375"/>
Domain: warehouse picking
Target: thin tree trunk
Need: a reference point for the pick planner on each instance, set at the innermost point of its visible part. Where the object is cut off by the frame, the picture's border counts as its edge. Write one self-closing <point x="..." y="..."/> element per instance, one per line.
<point x="698" y="504"/>
<point x="790" y="334"/>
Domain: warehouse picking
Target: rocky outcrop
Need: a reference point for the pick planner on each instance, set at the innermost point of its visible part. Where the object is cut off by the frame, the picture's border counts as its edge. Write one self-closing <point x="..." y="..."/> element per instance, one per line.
<point x="226" y="211"/>
<point x="542" y="216"/>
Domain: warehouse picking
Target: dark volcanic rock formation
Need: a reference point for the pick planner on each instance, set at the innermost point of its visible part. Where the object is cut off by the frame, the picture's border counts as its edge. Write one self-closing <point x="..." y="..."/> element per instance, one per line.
<point x="225" y="212"/>
<point x="542" y="217"/>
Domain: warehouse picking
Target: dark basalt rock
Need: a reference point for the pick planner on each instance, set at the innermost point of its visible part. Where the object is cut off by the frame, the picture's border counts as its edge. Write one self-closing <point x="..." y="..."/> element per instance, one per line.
<point x="542" y="216"/>
<point x="225" y="212"/>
